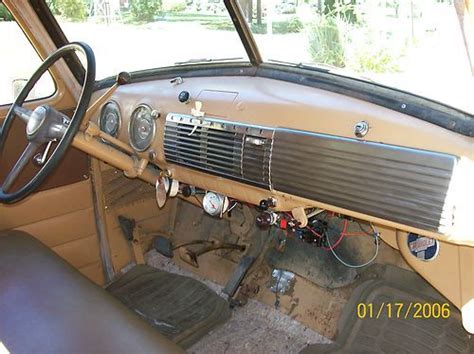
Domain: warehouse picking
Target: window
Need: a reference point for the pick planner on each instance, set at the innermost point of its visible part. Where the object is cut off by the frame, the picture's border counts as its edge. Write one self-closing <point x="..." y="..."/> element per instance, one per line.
<point x="143" y="34"/>
<point x="413" y="45"/>
<point x="18" y="62"/>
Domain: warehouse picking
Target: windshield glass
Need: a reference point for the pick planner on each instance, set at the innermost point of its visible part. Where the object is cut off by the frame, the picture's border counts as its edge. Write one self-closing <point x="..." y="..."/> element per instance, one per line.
<point x="414" y="45"/>
<point x="143" y="34"/>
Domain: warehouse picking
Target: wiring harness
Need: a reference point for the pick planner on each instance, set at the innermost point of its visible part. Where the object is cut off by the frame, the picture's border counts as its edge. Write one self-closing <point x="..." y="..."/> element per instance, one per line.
<point x="321" y="232"/>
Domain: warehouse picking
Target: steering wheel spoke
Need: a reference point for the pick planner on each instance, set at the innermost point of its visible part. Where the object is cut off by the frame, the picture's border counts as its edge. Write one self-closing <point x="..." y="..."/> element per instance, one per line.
<point x="23" y="113"/>
<point x="19" y="165"/>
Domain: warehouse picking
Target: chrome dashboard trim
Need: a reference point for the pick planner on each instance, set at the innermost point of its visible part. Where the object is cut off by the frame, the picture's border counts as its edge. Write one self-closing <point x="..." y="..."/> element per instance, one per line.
<point x="400" y="184"/>
<point x="220" y="124"/>
<point x="395" y="183"/>
<point x="224" y="148"/>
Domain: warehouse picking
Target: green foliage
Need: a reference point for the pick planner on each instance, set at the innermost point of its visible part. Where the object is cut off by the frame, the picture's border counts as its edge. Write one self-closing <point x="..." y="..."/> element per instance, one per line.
<point x="374" y="60"/>
<point x="293" y="25"/>
<point x="190" y="17"/>
<point x="177" y="7"/>
<point x="145" y="10"/>
<point x="344" y="9"/>
<point x="259" y="28"/>
<point x="53" y="6"/>
<point x="5" y="15"/>
<point x="325" y="43"/>
<point x="223" y="24"/>
<point x="75" y="10"/>
<point x="335" y="41"/>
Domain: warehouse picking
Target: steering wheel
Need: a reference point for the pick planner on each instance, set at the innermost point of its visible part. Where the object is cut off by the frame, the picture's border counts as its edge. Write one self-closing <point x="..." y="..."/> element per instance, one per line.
<point x="45" y="125"/>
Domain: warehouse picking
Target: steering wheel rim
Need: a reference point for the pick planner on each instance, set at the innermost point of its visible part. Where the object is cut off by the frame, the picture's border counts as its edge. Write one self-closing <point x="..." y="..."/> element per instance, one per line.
<point x="70" y="128"/>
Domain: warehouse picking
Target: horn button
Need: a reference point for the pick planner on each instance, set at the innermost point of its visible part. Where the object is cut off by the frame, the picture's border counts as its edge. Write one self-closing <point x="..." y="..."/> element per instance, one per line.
<point x="36" y="120"/>
<point x="45" y="124"/>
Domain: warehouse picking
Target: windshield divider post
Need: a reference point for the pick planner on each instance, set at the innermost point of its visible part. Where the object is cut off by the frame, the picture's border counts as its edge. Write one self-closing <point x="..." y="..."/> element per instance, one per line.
<point x="244" y="31"/>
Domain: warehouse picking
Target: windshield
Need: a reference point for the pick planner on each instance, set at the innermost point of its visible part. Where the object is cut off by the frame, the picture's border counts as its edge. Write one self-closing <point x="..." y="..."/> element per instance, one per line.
<point x="143" y="34"/>
<point x="414" y="45"/>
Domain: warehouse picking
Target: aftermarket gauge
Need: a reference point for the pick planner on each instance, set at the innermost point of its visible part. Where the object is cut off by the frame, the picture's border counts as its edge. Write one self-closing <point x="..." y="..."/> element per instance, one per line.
<point x="142" y="128"/>
<point x="215" y="204"/>
<point x="109" y="120"/>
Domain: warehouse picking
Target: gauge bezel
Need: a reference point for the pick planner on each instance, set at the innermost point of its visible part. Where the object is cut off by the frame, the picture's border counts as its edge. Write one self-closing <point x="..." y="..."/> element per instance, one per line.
<point x="153" y="132"/>
<point x="117" y="106"/>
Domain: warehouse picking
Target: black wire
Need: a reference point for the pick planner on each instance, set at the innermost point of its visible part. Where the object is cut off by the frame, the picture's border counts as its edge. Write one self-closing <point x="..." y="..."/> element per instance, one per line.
<point x="365" y="231"/>
<point x="198" y="200"/>
<point x="329" y="229"/>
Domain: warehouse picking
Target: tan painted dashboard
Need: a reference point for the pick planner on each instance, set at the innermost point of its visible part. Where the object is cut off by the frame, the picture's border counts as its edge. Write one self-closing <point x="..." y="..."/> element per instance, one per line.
<point x="276" y="104"/>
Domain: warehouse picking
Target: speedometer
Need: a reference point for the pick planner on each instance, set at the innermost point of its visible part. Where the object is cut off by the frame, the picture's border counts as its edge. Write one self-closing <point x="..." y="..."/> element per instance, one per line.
<point x="109" y="121"/>
<point x="142" y="128"/>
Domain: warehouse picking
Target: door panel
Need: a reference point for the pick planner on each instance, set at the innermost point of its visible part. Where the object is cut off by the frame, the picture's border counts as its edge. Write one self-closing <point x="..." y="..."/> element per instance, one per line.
<point x="63" y="219"/>
<point x="73" y="168"/>
<point x="60" y="213"/>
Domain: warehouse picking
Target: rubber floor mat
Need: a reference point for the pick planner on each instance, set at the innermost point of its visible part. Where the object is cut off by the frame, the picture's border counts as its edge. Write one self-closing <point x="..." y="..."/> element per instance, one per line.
<point x="181" y="308"/>
<point x="394" y="332"/>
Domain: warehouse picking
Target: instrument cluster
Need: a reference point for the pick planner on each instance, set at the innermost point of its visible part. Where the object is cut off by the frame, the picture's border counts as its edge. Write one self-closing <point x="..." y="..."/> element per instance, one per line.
<point x="141" y="126"/>
<point x="110" y="119"/>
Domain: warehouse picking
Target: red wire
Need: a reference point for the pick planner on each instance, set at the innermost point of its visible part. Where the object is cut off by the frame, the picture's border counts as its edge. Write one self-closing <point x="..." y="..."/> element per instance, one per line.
<point x="314" y="232"/>
<point x="339" y="240"/>
<point x="341" y="237"/>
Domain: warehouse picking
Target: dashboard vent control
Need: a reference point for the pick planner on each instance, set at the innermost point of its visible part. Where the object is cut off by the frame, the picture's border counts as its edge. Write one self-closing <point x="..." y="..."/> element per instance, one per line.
<point x="224" y="148"/>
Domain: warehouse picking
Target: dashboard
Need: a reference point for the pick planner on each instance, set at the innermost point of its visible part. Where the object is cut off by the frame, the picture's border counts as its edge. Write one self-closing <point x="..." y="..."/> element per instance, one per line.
<point x="257" y="140"/>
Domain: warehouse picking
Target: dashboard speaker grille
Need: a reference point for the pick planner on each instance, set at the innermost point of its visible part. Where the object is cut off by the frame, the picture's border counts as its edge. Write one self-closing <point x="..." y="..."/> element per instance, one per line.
<point x="223" y="148"/>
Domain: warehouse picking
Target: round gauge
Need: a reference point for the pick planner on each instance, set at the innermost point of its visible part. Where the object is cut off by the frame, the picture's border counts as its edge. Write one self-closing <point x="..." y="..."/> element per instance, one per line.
<point x="215" y="204"/>
<point x="109" y="121"/>
<point x="142" y="128"/>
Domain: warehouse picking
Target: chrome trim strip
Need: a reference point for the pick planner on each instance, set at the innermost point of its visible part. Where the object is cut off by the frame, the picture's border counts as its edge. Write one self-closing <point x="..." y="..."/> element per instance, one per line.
<point x="241" y="159"/>
<point x="395" y="183"/>
<point x="399" y="184"/>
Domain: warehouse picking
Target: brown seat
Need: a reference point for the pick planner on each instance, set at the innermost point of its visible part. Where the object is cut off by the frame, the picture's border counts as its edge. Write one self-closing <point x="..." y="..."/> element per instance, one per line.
<point x="47" y="306"/>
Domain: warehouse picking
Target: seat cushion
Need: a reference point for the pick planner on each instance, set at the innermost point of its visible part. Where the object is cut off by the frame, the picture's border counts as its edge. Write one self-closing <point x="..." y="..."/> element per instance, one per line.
<point x="47" y="306"/>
